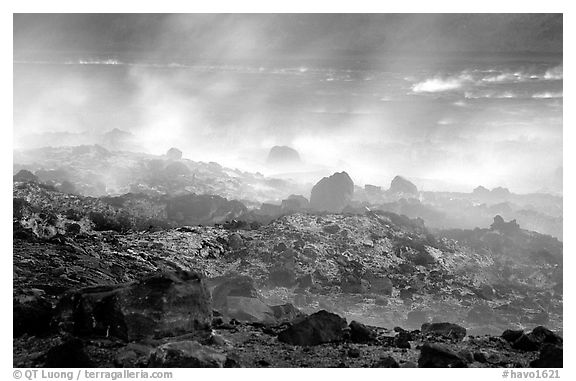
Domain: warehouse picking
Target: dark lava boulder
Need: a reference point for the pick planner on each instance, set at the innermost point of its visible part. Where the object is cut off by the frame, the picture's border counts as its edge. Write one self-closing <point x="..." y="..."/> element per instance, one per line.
<point x="526" y="343"/>
<point x="439" y="356"/>
<point x="32" y="314"/>
<point x="69" y="354"/>
<point x="400" y="185"/>
<point x="449" y="330"/>
<point x="359" y="333"/>
<point x="283" y="155"/>
<point x="535" y="340"/>
<point x="332" y="194"/>
<point x="186" y="354"/>
<point x="26" y="176"/>
<point x="551" y="356"/>
<point x="192" y="209"/>
<point x="544" y="335"/>
<point x="402" y="339"/>
<point x="511" y="335"/>
<point x="160" y="305"/>
<point x="174" y="154"/>
<point x="318" y="328"/>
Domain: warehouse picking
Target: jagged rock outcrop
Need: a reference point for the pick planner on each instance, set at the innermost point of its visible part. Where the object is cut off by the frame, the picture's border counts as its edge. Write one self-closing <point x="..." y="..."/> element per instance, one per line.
<point x="332" y="194"/>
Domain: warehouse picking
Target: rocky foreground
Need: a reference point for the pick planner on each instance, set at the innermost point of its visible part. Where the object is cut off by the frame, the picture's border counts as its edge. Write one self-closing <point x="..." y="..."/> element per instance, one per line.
<point x="166" y="319"/>
<point x="372" y="289"/>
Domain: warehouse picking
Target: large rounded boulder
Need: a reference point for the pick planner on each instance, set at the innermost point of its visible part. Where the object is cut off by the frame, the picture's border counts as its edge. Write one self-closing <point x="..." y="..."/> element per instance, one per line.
<point x="400" y="185"/>
<point x="332" y="194"/>
<point x="282" y="156"/>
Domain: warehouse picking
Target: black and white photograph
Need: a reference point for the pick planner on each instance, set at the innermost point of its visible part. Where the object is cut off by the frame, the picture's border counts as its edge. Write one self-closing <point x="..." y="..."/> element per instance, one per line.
<point x="287" y="190"/>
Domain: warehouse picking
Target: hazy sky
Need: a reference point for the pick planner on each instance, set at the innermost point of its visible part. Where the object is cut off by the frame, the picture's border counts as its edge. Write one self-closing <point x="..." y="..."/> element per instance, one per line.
<point x="460" y="99"/>
<point x="244" y="34"/>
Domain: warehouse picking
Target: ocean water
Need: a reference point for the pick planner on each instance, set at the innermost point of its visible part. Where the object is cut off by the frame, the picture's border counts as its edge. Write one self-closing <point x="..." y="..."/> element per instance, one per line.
<point x="449" y="122"/>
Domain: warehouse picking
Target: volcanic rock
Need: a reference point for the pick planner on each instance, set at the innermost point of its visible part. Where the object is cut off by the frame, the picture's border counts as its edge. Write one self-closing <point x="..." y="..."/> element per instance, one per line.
<point x="70" y="354"/>
<point x="192" y="209"/>
<point x="186" y="354"/>
<point x="526" y="343"/>
<point x="283" y="155"/>
<point x="159" y="305"/>
<point x="505" y="227"/>
<point x="331" y="229"/>
<point x="449" y="330"/>
<point x="402" y="339"/>
<point x="250" y="310"/>
<point x="174" y="154"/>
<point x="439" y="356"/>
<point x="481" y="191"/>
<point x="400" y="185"/>
<point x="512" y="335"/>
<point x="231" y="285"/>
<point x="551" y="356"/>
<point x="286" y="312"/>
<point x="535" y="340"/>
<point x="386" y="362"/>
<point x="32" y="314"/>
<point x="318" y="328"/>
<point x="25" y="175"/>
<point x="294" y="203"/>
<point x="359" y="333"/>
<point x="332" y="193"/>
<point x="544" y="335"/>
